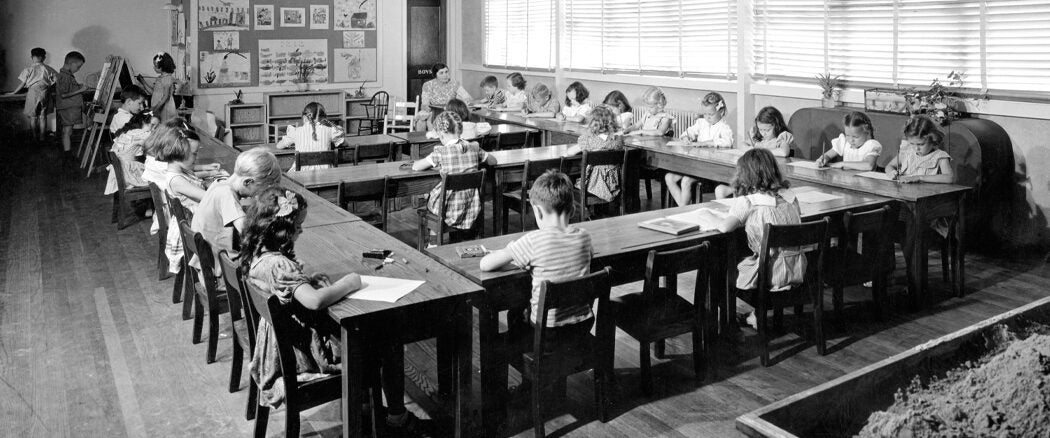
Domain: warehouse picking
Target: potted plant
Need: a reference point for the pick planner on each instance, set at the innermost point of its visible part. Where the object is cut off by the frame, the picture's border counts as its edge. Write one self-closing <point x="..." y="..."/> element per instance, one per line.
<point x="302" y="68"/>
<point x="941" y="101"/>
<point x="830" y="89"/>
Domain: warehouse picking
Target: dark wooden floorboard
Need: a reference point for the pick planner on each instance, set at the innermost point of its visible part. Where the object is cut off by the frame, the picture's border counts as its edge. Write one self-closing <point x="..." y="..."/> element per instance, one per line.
<point x="90" y="344"/>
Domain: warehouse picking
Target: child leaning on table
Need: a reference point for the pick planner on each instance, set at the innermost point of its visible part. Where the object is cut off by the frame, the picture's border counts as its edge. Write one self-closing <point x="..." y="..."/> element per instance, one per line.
<point x="654" y="121"/>
<point x="764" y="198"/>
<point x="602" y="134"/>
<point x="516" y="94"/>
<point x="556" y="251"/>
<point x="179" y="150"/>
<point x="770" y="132"/>
<point x="273" y="224"/>
<point x="711" y="130"/>
<point x="316" y="134"/>
<point x="855" y="146"/>
<point x="37" y="80"/>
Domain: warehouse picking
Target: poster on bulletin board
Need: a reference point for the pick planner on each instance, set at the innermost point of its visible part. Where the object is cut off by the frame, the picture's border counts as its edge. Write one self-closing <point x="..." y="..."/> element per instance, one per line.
<point x="278" y="60"/>
<point x="225" y="69"/>
<point x="355" y="14"/>
<point x="353" y="65"/>
<point x="222" y="15"/>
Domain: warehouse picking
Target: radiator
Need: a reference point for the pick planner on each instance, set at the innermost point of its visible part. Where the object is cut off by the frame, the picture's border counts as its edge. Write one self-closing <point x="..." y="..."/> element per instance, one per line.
<point x="682" y="119"/>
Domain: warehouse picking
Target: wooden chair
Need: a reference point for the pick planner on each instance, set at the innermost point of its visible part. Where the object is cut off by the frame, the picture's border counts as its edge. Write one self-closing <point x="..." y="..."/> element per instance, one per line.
<point x="552" y="359"/>
<point x="124" y="195"/>
<point x="299" y="396"/>
<point x="585" y="200"/>
<point x="378" y="153"/>
<point x="274" y="132"/>
<point x="375" y="190"/>
<point x="206" y="289"/>
<point x="451" y="182"/>
<point x="518" y="200"/>
<point x="375" y="112"/>
<point x="811" y="238"/>
<point x="659" y="313"/>
<point x="243" y="336"/>
<point x="401" y="116"/>
<point x="181" y="214"/>
<point x="864" y="253"/>
<point x="514" y="140"/>
<point x="319" y="158"/>
<point x="160" y="206"/>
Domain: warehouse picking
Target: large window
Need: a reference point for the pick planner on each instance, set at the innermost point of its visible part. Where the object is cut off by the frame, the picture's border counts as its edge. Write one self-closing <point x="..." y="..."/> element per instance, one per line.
<point x="520" y="33"/>
<point x="675" y="37"/>
<point x="1000" y="44"/>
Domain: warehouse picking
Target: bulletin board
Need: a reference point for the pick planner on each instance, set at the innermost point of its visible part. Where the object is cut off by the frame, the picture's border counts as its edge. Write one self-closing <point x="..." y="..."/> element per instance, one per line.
<point x="248" y="43"/>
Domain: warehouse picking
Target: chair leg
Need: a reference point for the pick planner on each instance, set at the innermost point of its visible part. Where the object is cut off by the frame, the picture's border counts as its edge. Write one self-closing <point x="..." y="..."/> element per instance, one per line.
<point x="162" y="259"/>
<point x="213" y="332"/>
<point x="660" y="350"/>
<point x="836" y="299"/>
<point x="763" y="328"/>
<point x="198" y="319"/>
<point x="602" y="386"/>
<point x="649" y="189"/>
<point x="537" y="411"/>
<point x="700" y="354"/>
<point x="116" y="203"/>
<point x="421" y="244"/>
<point x="291" y="424"/>
<point x="645" y="367"/>
<point x="235" y="364"/>
<point x="261" y="416"/>
<point x="253" y="400"/>
<point x="176" y="288"/>
<point x="818" y="319"/>
<point x="123" y="211"/>
<point x="189" y="285"/>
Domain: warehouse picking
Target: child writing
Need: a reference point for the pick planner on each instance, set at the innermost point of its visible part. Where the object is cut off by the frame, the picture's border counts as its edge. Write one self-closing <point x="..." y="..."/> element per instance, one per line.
<point x="455" y="155"/>
<point x="162" y="104"/>
<point x="516" y="94"/>
<point x="314" y="135"/>
<point x="617" y="101"/>
<point x="602" y="134"/>
<point x="770" y="132"/>
<point x="709" y="131"/>
<point x="493" y="96"/>
<point x="764" y="199"/>
<point x="133" y="102"/>
<point x="556" y="251"/>
<point x="576" y="108"/>
<point x="921" y="158"/>
<point x="37" y="80"/>
<point x="179" y="150"/>
<point x="541" y="103"/>
<point x="70" y="100"/>
<point x="220" y="215"/>
<point x="654" y="121"/>
<point x="855" y="146"/>
<point x="155" y="168"/>
<point x="128" y="147"/>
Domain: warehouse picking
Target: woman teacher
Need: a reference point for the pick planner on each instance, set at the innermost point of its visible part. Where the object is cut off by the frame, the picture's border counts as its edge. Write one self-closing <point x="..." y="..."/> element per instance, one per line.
<point x="437" y="92"/>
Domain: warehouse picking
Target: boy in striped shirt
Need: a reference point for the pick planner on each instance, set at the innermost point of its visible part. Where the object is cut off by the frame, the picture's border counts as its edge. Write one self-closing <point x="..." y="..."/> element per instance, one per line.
<point x="557" y="251"/>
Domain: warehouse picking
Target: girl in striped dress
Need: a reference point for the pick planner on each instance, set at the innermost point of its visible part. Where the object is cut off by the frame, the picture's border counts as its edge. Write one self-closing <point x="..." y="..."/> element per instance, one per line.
<point x="315" y="135"/>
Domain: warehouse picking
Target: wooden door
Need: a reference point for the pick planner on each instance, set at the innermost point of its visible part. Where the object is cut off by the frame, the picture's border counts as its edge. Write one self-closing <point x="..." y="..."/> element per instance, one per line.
<point x="426" y="41"/>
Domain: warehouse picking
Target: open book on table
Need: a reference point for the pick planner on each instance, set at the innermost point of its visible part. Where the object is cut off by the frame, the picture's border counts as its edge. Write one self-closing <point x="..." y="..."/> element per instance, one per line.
<point x="702" y="219"/>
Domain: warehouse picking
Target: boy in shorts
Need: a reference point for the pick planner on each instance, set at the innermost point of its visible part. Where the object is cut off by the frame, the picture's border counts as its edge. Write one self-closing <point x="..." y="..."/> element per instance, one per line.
<point x="37" y="80"/>
<point x="70" y="102"/>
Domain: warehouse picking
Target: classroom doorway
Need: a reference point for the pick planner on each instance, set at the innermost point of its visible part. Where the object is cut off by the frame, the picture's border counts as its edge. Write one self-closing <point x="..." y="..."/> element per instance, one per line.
<point x="426" y="41"/>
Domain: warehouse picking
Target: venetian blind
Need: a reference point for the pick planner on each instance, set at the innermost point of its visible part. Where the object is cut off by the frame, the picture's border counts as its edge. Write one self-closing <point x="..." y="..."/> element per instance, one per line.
<point x="677" y="37"/>
<point x="520" y="34"/>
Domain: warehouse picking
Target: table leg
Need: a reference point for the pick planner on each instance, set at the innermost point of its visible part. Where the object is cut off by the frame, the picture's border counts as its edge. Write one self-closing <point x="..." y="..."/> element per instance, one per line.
<point x="917" y="265"/>
<point x="493" y="372"/>
<point x="497" y="203"/>
<point x="414" y="151"/>
<point x="353" y="383"/>
<point x="960" y="249"/>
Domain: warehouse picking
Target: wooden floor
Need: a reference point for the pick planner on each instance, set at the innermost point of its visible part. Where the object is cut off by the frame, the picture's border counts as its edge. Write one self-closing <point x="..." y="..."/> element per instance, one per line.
<point x="90" y="344"/>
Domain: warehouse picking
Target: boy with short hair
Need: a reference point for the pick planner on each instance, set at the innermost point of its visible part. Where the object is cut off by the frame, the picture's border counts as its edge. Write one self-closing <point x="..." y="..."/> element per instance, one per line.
<point x="134" y="101"/>
<point x="557" y="251"/>
<point x="37" y="79"/>
<point x="70" y="102"/>
<point x="494" y="97"/>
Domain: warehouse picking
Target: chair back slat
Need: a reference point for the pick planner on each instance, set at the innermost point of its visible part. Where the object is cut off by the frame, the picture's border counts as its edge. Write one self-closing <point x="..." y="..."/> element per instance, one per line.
<point x="875" y="228"/>
<point x="379" y="152"/>
<point x="579" y="291"/>
<point x="808" y="237"/>
<point x="160" y="203"/>
<point x="604" y="158"/>
<point x="330" y="158"/>
<point x="177" y="210"/>
<point x="358" y="191"/>
<point x="232" y="276"/>
<point x="513" y="140"/>
<point x="463" y="181"/>
<point x="118" y="171"/>
<point x="677" y="261"/>
<point x="377" y="107"/>
<point x="189" y="244"/>
<point x="535" y="168"/>
<point x="278" y="315"/>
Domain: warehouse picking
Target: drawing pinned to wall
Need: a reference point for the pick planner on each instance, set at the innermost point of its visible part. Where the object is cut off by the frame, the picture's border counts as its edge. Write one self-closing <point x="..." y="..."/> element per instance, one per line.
<point x="319" y="17"/>
<point x="355" y="14"/>
<point x="293" y="17"/>
<point x="222" y="14"/>
<point x="263" y="17"/>
<point x="225" y="69"/>
<point x="226" y="41"/>
<point x="279" y="61"/>
<point x="354" y="65"/>
<point x="353" y="39"/>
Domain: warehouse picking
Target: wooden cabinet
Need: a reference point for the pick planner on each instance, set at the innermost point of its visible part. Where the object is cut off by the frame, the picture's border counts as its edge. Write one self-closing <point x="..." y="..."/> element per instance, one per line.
<point x="247" y="123"/>
<point x="286" y="108"/>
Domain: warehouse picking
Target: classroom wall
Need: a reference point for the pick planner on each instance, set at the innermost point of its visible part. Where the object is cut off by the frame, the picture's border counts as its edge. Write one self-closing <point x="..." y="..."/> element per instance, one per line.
<point x="134" y="29"/>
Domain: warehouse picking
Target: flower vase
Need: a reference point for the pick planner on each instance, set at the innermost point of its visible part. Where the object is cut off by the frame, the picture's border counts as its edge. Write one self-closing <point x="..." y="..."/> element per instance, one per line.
<point x="828" y="102"/>
<point x="302" y="86"/>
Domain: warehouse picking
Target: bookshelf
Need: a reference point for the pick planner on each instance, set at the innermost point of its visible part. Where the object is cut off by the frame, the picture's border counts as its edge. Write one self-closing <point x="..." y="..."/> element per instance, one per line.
<point x="247" y="123"/>
<point x="286" y="108"/>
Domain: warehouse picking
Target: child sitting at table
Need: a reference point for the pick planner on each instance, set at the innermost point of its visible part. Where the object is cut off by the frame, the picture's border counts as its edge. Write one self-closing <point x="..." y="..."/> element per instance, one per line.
<point x="471" y="130"/>
<point x="577" y="107"/>
<point x="764" y="198"/>
<point x="128" y="147"/>
<point x="493" y="96"/>
<point x="770" y="132"/>
<point x="855" y="146"/>
<point x="316" y="134"/>
<point x="455" y="155"/>
<point x="618" y="102"/>
<point x="179" y="150"/>
<point x="154" y="169"/>
<point x="655" y="121"/>
<point x="516" y="94"/>
<point x="133" y="102"/>
<point x="711" y="130"/>
<point x="541" y="103"/>
<point x="921" y="158"/>
<point x="602" y="134"/>
<point x="556" y="251"/>
<point x="273" y="224"/>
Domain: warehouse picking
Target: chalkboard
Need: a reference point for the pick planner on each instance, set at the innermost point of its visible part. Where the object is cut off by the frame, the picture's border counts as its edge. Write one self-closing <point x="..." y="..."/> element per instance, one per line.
<point x="248" y="43"/>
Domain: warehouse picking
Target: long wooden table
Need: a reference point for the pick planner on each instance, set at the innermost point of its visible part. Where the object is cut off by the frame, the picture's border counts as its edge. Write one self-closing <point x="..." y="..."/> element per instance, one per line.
<point x="617" y="242"/>
<point x="920" y="203"/>
<point x="552" y="131"/>
<point x="286" y="156"/>
<point x="332" y="243"/>
<point x="419" y="145"/>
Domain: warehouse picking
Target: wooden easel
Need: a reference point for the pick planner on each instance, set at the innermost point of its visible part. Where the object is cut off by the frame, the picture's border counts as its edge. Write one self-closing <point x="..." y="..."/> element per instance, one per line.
<point x="114" y="71"/>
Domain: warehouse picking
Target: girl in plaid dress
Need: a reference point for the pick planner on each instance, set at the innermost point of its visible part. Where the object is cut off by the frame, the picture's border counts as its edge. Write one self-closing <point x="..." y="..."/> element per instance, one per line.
<point x="455" y="155"/>
<point x="602" y="134"/>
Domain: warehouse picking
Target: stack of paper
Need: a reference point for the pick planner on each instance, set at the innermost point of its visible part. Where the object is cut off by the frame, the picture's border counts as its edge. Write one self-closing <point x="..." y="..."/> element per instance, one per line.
<point x="384" y="289"/>
<point x="705" y="218"/>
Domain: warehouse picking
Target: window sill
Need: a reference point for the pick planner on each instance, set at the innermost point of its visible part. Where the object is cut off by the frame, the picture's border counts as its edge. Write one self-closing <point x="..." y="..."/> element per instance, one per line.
<point x="722" y="86"/>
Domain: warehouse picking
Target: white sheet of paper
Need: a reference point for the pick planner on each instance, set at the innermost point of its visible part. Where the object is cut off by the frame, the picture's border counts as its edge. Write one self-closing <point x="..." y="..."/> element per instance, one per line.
<point x="806" y="165"/>
<point x="876" y="175"/>
<point x="813" y="197"/>
<point x="678" y="143"/>
<point x="733" y="151"/>
<point x="706" y="218"/>
<point x="728" y="202"/>
<point x="384" y="288"/>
